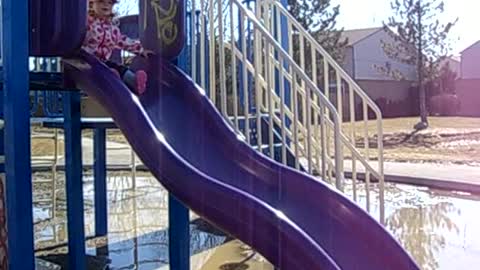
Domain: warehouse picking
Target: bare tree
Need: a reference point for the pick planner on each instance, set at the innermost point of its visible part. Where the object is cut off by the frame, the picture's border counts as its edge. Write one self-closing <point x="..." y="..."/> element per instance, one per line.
<point x="419" y="40"/>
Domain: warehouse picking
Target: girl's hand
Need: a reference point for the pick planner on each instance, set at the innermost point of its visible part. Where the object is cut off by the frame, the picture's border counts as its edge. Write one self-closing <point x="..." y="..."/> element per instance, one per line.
<point x="147" y="53"/>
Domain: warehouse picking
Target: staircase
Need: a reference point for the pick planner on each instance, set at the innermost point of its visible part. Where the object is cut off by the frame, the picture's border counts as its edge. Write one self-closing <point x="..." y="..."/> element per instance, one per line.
<point x="297" y="106"/>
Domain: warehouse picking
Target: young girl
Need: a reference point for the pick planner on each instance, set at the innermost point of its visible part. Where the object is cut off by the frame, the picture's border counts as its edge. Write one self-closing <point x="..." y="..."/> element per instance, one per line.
<point x="103" y="36"/>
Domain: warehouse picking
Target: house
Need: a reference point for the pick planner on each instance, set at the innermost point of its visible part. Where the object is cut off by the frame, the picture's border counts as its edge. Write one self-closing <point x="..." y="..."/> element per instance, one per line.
<point x="454" y="64"/>
<point x="363" y="56"/>
<point x="470" y="67"/>
<point x="468" y="85"/>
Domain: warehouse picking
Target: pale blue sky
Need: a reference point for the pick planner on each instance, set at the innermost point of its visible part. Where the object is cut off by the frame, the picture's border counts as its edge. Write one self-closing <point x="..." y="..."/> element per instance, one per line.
<point x="356" y="14"/>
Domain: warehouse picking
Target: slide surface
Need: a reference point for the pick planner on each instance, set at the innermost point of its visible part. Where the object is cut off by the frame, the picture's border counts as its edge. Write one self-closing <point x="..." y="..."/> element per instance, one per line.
<point x="294" y="220"/>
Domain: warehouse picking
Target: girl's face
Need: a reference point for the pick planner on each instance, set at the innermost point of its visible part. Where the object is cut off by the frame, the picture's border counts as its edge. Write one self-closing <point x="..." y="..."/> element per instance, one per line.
<point x="103" y="8"/>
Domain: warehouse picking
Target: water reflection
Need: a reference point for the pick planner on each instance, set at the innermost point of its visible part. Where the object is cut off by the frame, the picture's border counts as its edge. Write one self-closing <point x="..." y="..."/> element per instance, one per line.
<point x="439" y="229"/>
<point x="423" y="230"/>
<point x="138" y="219"/>
<point x="432" y="225"/>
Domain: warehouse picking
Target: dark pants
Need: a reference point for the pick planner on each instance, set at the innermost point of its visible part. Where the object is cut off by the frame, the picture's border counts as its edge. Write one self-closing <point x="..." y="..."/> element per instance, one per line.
<point x="127" y="75"/>
<point x="121" y="69"/>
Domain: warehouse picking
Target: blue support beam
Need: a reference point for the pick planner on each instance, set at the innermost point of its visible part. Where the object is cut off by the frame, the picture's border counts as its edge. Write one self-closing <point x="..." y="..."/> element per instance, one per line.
<point x="241" y="33"/>
<point x="2" y="137"/>
<point x="178" y="214"/>
<point x="74" y="181"/>
<point x="178" y="234"/>
<point x="198" y="44"/>
<point x="100" y="178"/>
<point x="284" y="27"/>
<point x="17" y="133"/>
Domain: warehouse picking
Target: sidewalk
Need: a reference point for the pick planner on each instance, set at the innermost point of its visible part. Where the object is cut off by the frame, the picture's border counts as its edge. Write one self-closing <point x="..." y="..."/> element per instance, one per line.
<point x="452" y="177"/>
<point x="118" y="156"/>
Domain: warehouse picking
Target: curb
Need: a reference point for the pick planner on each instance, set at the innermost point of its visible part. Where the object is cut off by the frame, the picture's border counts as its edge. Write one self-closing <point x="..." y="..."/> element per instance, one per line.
<point x="442" y="184"/>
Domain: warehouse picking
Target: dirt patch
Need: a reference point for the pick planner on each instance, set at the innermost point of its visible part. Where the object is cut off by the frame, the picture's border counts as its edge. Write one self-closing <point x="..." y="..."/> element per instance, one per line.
<point x="42" y="143"/>
<point x="447" y="141"/>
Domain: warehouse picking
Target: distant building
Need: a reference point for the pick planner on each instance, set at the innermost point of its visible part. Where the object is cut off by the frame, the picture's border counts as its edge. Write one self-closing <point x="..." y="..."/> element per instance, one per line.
<point x="468" y="86"/>
<point x="363" y="55"/>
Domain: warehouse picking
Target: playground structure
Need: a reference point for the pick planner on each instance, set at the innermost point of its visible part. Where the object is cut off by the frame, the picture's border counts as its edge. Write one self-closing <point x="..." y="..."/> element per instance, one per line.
<point x="275" y="100"/>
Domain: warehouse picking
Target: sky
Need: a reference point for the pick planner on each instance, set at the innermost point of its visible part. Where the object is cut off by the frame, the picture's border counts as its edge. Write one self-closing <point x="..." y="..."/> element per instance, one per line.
<point x="355" y="14"/>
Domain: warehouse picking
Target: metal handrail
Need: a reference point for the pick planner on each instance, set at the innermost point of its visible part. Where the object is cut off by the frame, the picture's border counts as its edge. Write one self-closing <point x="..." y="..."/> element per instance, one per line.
<point x="310" y="84"/>
<point x="368" y="103"/>
<point x="252" y="71"/>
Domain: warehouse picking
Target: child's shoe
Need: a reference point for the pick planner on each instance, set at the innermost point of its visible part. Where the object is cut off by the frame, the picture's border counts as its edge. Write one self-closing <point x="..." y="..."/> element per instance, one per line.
<point x="141" y="79"/>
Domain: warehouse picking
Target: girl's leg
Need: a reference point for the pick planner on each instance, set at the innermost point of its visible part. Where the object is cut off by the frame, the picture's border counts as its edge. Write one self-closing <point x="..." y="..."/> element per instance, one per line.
<point x="116" y="68"/>
<point x="135" y="81"/>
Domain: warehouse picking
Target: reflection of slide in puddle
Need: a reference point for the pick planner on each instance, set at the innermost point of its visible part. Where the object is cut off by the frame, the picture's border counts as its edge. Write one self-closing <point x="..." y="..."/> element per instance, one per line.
<point x="232" y="256"/>
<point x="197" y="261"/>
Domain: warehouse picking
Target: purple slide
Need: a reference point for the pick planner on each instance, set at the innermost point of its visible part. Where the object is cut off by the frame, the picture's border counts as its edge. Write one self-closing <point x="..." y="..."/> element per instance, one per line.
<point x="294" y="220"/>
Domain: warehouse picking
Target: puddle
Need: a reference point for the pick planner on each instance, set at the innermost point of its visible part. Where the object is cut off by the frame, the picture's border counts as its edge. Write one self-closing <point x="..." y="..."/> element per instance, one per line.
<point x="441" y="230"/>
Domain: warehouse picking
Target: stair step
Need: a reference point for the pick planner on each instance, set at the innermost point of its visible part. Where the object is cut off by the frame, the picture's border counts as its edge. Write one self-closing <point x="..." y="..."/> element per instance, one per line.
<point x="253" y="116"/>
<point x="266" y="146"/>
<point x="250" y="117"/>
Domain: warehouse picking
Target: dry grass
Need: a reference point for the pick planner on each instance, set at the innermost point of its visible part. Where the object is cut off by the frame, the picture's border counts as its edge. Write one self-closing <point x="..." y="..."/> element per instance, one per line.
<point x="437" y="124"/>
<point x="447" y="140"/>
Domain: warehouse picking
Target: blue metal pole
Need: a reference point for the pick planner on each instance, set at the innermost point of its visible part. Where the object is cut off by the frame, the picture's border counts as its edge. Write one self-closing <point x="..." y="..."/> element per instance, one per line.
<point x="178" y="214"/>
<point x="17" y="134"/>
<point x="100" y="179"/>
<point x="241" y="94"/>
<point x="250" y="55"/>
<point x="283" y="31"/>
<point x="2" y="138"/>
<point x="189" y="41"/>
<point x="198" y="44"/>
<point x="207" y="57"/>
<point x="178" y="234"/>
<point x="74" y="181"/>
<point x="285" y="46"/>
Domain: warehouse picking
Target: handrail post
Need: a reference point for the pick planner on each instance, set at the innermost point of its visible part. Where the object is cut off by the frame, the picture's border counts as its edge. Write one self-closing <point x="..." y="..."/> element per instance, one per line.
<point x="15" y="51"/>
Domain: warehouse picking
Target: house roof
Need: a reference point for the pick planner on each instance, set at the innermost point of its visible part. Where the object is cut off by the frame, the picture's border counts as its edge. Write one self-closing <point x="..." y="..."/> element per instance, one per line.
<point x="471" y="46"/>
<point x="356" y="35"/>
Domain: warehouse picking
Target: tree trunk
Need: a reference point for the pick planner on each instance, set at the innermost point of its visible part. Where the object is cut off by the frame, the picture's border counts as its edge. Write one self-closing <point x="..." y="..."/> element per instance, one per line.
<point x="422" y="97"/>
<point x="423" y="104"/>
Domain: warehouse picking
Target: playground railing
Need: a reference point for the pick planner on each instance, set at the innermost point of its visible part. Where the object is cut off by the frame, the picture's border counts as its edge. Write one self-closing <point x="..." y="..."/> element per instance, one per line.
<point x="283" y="105"/>
<point x="362" y="118"/>
<point x="261" y="90"/>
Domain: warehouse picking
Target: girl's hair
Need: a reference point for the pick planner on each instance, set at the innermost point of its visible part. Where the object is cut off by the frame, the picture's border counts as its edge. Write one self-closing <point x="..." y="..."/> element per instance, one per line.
<point x="91" y="12"/>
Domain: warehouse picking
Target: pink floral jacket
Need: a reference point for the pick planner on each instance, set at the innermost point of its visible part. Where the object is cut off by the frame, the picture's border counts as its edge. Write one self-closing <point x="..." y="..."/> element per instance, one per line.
<point x="103" y="36"/>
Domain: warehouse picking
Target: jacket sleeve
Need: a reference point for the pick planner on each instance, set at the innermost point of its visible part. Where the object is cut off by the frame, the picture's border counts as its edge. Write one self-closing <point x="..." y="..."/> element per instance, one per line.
<point x="90" y="43"/>
<point x="127" y="44"/>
